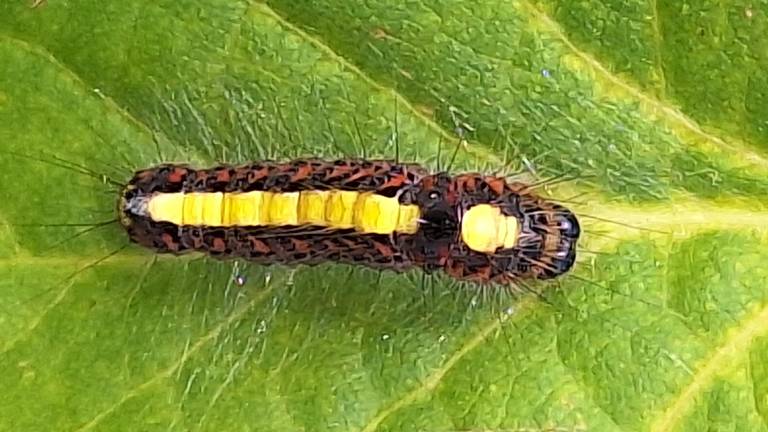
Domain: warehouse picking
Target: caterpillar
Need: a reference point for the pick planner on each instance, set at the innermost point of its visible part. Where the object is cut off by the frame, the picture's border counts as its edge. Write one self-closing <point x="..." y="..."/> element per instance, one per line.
<point x="376" y="213"/>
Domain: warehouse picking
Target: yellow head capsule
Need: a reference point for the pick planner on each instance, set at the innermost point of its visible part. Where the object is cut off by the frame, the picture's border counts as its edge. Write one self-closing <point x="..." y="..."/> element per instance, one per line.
<point x="484" y="229"/>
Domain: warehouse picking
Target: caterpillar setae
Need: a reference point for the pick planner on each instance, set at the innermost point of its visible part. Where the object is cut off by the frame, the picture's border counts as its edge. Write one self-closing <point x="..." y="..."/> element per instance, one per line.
<point x="376" y="213"/>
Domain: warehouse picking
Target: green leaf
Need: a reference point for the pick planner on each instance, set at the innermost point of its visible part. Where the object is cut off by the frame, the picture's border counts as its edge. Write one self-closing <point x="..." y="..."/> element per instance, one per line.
<point x="660" y="108"/>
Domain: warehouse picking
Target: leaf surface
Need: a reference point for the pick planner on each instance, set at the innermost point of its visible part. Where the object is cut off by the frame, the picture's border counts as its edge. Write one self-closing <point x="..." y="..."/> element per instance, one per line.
<point x="660" y="109"/>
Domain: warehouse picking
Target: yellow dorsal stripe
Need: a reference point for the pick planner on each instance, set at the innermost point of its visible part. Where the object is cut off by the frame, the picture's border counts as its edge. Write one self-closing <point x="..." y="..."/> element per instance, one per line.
<point x="366" y="212"/>
<point x="339" y="210"/>
<point x="246" y="209"/>
<point x="408" y="219"/>
<point x="312" y="207"/>
<point x="283" y="209"/>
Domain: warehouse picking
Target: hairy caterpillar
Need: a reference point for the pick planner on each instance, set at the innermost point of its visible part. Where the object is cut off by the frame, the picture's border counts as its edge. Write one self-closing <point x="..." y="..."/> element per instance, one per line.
<point x="375" y="213"/>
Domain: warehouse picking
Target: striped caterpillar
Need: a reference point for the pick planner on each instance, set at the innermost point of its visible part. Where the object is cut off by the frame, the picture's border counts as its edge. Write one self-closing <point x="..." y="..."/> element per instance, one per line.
<point x="375" y="213"/>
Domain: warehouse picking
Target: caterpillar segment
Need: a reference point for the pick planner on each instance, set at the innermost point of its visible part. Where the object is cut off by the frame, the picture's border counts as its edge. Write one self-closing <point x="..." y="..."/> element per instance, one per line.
<point x="300" y="212"/>
<point x="502" y="231"/>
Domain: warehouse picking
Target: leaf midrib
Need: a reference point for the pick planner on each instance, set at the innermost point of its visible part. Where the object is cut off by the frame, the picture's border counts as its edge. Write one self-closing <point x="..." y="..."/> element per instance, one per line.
<point x="622" y="222"/>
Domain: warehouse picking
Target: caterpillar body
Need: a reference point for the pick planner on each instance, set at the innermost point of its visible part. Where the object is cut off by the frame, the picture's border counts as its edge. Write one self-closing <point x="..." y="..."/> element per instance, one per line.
<point x="376" y="213"/>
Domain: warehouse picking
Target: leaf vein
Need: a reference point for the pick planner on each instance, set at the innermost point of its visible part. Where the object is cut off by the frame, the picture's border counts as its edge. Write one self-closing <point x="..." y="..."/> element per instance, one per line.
<point x="433" y="380"/>
<point x="44" y="53"/>
<point x="730" y="352"/>
<point x="401" y="100"/>
<point x="177" y="365"/>
<point x="675" y="116"/>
